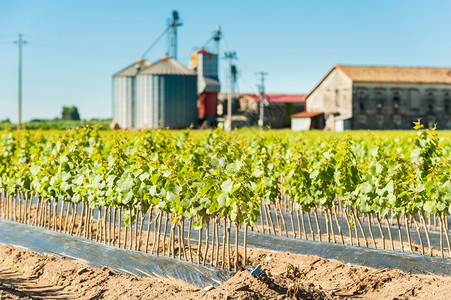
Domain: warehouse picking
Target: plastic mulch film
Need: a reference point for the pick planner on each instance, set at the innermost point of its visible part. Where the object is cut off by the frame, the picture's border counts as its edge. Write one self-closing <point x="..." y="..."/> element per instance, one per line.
<point x="125" y="261"/>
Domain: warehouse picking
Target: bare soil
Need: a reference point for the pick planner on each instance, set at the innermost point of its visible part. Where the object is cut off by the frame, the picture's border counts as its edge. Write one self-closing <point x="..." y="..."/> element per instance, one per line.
<point x="28" y="275"/>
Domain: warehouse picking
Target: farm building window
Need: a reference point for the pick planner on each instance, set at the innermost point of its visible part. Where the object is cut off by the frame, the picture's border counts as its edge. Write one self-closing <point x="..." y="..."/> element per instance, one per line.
<point x="447" y="102"/>
<point x="397" y="120"/>
<point x="379" y="120"/>
<point x="362" y="119"/>
<point x="379" y="98"/>
<point x="396" y="99"/>
<point x="414" y="99"/>
<point x="448" y="122"/>
<point x="362" y="98"/>
<point x="430" y="100"/>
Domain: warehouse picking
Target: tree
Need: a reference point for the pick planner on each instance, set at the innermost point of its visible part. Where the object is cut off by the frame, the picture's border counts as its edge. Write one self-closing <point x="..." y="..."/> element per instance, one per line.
<point x="70" y="113"/>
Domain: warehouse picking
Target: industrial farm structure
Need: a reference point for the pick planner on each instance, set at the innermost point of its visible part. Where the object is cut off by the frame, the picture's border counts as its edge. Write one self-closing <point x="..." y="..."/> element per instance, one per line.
<point x="208" y="87"/>
<point x="167" y="94"/>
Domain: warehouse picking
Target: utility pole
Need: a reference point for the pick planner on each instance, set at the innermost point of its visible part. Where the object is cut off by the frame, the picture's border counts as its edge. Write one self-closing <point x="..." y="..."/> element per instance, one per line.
<point x="217" y="38"/>
<point x="261" y="89"/>
<point x="232" y="72"/>
<point x="20" y="43"/>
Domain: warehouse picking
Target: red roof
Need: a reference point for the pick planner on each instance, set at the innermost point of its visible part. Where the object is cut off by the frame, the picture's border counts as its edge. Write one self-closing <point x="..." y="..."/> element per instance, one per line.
<point x="203" y="50"/>
<point x="279" y="98"/>
<point x="305" y="114"/>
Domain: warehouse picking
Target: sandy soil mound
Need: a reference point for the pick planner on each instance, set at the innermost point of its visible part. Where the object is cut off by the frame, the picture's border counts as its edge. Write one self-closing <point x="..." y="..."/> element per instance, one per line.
<point x="25" y="274"/>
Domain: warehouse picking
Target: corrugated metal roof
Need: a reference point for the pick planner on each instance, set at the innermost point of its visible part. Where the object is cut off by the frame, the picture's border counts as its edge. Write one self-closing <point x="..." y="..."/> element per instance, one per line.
<point x="207" y="85"/>
<point x="134" y="68"/>
<point x="392" y="74"/>
<point x="168" y="66"/>
<point x="305" y="114"/>
<point x="279" y="98"/>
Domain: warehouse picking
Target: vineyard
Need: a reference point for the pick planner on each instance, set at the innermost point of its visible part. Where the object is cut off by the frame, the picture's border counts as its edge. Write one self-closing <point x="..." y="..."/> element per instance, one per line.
<point x="196" y="195"/>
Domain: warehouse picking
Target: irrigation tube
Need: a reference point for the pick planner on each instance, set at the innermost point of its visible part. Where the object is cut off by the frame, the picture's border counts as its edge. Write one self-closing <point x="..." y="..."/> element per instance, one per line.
<point x="42" y="240"/>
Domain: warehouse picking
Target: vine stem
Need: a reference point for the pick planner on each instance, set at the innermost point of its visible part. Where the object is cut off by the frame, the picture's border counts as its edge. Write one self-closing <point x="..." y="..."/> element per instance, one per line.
<point x="399" y="233"/>
<point x="419" y="234"/>
<point x="279" y="223"/>
<point x="165" y="232"/>
<point x="126" y="231"/>
<point x="217" y="223"/>
<point x="189" y="239"/>
<point x="143" y="219"/>
<point x="355" y="226"/>
<point x="80" y="224"/>
<point x="179" y="237"/>
<point x="293" y="228"/>
<point x="113" y="242"/>
<point x="224" y="241"/>
<point x="182" y="238"/>
<point x="245" y="245"/>
<point x="158" y="233"/>
<point x="213" y="242"/>
<point x="441" y="236"/>
<point x="173" y="239"/>
<point x="338" y="225"/>
<point x="268" y="212"/>
<point x="228" y="245"/>
<point x="327" y="226"/>
<point x="74" y="217"/>
<point x="303" y="223"/>
<point x="427" y="232"/>
<point x="207" y="240"/>
<point x="299" y="223"/>
<point x="408" y="232"/>
<point x="389" y="233"/>
<point x="331" y="223"/>
<point x="29" y="205"/>
<point x="310" y="225"/>
<point x="236" y="246"/>
<point x="360" y="225"/>
<point x="155" y="227"/>
<point x="445" y="222"/>
<point x="318" y="227"/>
<point x="371" y="230"/>
<point x="380" y="229"/>
<point x="119" y="227"/>
<point x="199" y="245"/>
<point x="149" y="221"/>
<point x="130" y="225"/>
<point x="262" y="221"/>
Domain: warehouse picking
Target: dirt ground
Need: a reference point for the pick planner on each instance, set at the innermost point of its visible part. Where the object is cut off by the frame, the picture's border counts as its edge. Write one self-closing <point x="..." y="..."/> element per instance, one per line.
<point x="28" y="275"/>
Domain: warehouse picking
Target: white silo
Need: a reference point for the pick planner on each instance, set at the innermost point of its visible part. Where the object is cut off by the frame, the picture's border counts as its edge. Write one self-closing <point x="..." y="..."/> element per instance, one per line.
<point x="124" y="104"/>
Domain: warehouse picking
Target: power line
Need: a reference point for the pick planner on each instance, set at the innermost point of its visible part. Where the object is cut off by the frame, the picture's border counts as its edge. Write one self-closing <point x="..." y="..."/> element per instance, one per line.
<point x="155" y="42"/>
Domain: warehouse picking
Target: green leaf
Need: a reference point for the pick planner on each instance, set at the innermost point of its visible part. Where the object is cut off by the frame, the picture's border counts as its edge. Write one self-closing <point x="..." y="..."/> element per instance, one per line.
<point x="144" y="176"/>
<point x="222" y="200"/>
<point x="227" y="186"/>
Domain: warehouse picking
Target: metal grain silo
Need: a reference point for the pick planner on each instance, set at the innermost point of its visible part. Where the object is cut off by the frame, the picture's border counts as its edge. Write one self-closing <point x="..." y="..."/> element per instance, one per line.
<point x="124" y="93"/>
<point x="166" y="95"/>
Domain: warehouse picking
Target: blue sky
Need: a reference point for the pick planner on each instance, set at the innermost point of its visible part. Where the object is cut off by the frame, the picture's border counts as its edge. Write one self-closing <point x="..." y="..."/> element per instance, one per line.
<point x="74" y="46"/>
